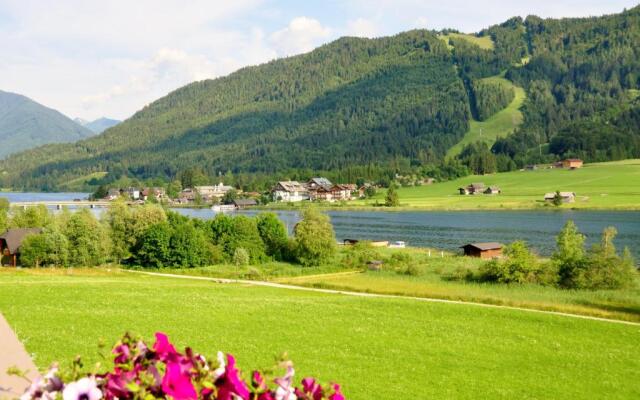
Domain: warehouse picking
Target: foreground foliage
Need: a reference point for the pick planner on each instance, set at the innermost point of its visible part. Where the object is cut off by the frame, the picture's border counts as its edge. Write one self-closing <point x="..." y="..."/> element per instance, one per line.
<point x="143" y="372"/>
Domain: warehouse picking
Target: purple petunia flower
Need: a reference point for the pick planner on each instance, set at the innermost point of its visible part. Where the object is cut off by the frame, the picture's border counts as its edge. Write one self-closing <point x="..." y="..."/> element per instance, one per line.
<point x="83" y="389"/>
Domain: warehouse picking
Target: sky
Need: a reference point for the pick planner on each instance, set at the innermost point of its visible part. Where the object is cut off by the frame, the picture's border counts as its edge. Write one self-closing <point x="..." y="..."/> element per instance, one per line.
<point x="110" y="58"/>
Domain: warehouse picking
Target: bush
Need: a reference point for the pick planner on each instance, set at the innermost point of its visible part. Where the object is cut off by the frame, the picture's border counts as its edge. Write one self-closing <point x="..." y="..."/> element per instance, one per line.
<point x="412" y="270"/>
<point x="274" y="235"/>
<point x="519" y="265"/>
<point x="361" y="253"/>
<point x="599" y="268"/>
<point x="49" y="249"/>
<point x="240" y="257"/>
<point x="89" y="242"/>
<point x="315" y="238"/>
<point x="240" y="231"/>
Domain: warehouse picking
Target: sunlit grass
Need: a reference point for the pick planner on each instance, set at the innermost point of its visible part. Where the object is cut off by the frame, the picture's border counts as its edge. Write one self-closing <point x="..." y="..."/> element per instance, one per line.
<point x="377" y="348"/>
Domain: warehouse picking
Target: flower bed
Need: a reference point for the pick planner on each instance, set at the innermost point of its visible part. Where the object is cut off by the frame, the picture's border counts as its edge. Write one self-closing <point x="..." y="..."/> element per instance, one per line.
<point x="158" y="372"/>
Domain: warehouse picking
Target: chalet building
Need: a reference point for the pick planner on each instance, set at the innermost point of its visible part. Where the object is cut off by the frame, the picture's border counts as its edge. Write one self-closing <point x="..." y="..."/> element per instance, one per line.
<point x="342" y="191"/>
<point x="474" y="188"/>
<point x="187" y="195"/>
<point x="567" y="197"/>
<point x="492" y="190"/>
<point x="11" y="240"/>
<point x="483" y="250"/>
<point x="290" y="191"/>
<point x="133" y="193"/>
<point x="157" y="193"/>
<point x="572" y="163"/>
<point x="244" y="203"/>
<point x="317" y="183"/>
<point x="113" y="194"/>
<point x="209" y="192"/>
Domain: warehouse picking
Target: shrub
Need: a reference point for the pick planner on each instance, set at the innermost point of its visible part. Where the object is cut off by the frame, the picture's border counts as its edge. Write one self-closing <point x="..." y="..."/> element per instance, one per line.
<point x="361" y="253"/>
<point x="412" y="270"/>
<point x="392" y="199"/>
<point x="239" y="231"/>
<point x="160" y="372"/>
<point x="519" y="265"/>
<point x="599" y="268"/>
<point x="49" y="249"/>
<point x="89" y="242"/>
<point x="240" y="257"/>
<point x="153" y="248"/>
<point x="315" y="238"/>
<point x="274" y="235"/>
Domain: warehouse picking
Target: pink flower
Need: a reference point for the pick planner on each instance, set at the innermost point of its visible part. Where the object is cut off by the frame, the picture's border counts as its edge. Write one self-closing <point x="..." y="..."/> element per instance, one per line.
<point x="337" y="395"/>
<point x="163" y="347"/>
<point x="258" y="382"/>
<point x="122" y="354"/>
<point x="285" y="391"/>
<point x="231" y="385"/>
<point x="177" y="384"/>
<point x="84" y="389"/>
<point x="313" y="388"/>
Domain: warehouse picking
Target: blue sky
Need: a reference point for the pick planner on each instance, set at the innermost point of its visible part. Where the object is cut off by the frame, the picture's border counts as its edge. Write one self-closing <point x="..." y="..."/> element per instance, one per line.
<point x="91" y="58"/>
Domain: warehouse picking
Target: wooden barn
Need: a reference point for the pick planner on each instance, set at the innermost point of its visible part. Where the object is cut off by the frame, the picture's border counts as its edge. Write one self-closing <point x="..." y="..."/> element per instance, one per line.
<point x="11" y="240"/>
<point x="483" y="250"/>
<point x="572" y="163"/>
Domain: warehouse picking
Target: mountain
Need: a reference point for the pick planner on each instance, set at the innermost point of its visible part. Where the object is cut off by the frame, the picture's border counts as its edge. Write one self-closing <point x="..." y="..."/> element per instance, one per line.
<point x="99" y="125"/>
<point x="375" y="107"/>
<point x="102" y="124"/>
<point x="25" y="124"/>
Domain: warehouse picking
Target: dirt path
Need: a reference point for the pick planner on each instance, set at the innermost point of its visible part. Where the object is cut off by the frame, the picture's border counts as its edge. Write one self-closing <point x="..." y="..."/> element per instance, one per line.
<point x="377" y="295"/>
<point x="13" y="354"/>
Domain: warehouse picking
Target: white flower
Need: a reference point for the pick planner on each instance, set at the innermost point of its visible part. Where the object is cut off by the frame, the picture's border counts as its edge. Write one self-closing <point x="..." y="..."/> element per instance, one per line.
<point x="221" y="366"/>
<point x="84" y="389"/>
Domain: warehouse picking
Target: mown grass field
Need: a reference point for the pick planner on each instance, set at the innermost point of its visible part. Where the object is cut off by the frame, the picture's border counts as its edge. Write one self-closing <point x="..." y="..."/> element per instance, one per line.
<point x="501" y="124"/>
<point x="611" y="185"/>
<point x="377" y="348"/>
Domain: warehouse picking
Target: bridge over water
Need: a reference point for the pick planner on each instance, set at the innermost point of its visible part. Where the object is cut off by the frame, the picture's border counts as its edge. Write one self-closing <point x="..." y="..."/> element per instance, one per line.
<point x="59" y="204"/>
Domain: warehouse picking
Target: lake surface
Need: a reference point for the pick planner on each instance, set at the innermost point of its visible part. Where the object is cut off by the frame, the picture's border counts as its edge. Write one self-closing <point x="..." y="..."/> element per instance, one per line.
<point x="450" y="229"/>
<point x="444" y="229"/>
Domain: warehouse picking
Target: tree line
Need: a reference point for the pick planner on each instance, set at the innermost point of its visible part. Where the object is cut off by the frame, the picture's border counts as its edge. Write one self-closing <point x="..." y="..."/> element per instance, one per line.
<point x="152" y="237"/>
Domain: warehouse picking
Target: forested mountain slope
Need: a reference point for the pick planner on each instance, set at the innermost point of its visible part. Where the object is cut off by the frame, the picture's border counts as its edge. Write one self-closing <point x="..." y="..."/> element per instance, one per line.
<point x="25" y="124"/>
<point x="366" y="107"/>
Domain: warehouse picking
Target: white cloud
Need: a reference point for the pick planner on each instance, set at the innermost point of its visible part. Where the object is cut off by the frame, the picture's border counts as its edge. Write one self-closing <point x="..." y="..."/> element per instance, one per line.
<point x="301" y="35"/>
<point x="362" y="27"/>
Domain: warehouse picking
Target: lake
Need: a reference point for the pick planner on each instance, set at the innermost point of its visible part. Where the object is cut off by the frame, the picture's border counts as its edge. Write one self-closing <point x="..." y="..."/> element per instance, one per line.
<point x="445" y="229"/>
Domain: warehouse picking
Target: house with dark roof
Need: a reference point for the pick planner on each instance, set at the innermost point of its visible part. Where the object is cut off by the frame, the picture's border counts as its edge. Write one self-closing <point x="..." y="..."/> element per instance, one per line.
<point x="474" y="188"/>
<point x="244" y="203"/>
<point x="11" y="240"/>
<point x="483" y="250"/>
<point x="492" y="190"/>
<point x="290" y="191"/>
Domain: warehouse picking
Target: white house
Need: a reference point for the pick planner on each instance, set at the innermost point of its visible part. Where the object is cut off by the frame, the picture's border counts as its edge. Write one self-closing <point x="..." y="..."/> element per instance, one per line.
<point x="290" y="191"/>
<point x="208" y="192"/>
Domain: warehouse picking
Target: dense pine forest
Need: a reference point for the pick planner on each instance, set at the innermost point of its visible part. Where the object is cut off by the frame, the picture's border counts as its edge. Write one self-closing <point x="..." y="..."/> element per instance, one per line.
<point x="371" y="108"/>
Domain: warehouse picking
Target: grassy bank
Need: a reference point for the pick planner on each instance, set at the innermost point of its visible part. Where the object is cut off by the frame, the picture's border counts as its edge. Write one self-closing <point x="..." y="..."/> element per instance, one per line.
<point x="377" y="348"/>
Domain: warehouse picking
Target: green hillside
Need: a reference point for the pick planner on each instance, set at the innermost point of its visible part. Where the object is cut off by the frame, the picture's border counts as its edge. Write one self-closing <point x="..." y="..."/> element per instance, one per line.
<point x="611" y="185"/>
<point x="372" y="108"/>
<point x="25" y="124"/>
<point x="498" y="125"/>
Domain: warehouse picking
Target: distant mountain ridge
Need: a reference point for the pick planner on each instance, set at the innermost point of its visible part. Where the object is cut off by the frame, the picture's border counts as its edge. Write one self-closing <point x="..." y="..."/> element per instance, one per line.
<point x="372" y="108"/>
<point x="25" y="124"/>
<point x="99" y="125"/>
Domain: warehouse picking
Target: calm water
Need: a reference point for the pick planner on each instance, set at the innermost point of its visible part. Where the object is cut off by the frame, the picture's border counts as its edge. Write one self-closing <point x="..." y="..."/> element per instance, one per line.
<point x="443" y="229"/>
<point x="450" y="230"/>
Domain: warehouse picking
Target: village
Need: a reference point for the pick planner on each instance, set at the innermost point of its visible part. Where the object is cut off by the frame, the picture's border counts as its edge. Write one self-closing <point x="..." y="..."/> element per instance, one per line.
<point x="225" y="197"/>
<point x="318" y="189"/>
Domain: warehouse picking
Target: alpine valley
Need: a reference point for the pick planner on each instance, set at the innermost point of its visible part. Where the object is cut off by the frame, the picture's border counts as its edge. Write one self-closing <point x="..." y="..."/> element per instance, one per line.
<point x="442" y="104"/>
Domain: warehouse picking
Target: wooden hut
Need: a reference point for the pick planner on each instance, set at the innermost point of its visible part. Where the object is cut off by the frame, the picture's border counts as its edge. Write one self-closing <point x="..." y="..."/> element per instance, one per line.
<point x="11" y="240"/>
<point x="483" y="250"/>
<point x="572" y="163"/>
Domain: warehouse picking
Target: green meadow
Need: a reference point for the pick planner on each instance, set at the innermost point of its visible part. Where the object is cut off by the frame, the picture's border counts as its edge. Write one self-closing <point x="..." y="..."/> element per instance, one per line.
<point x="610" y="185"/>
<point x="376" y="347"/>
<point x="499" y="125"/>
